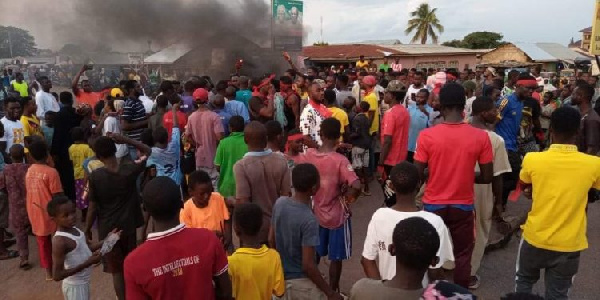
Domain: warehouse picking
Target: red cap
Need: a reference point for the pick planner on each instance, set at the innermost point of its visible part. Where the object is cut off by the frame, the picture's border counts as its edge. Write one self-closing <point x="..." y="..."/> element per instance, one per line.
<point x="200" y="94"/>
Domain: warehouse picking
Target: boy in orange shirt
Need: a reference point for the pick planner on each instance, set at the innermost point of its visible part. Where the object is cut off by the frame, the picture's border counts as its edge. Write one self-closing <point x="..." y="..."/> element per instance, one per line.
<point x="42" y="183"/>
<point x="206" y="208"/>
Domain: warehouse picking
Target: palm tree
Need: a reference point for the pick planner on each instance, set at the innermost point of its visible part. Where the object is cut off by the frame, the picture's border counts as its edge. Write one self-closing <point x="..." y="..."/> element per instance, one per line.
<point x="424" y="22"/>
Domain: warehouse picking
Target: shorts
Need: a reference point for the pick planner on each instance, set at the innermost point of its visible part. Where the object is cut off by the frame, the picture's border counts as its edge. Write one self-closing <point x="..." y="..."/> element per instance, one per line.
<point x="80" y="200"/>
<point x="336" y="243"/>
<point x="4" y="212"/>
<point x="302" y="289"/>
<point x="360" y="158"/>
<point x="113" y="260"/>
<point x="76" y="291"/>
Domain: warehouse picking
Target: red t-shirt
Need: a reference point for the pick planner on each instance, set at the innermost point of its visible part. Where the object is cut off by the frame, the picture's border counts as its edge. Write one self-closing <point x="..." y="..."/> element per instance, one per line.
<point x="179" y="263"/>
<point x="168" y="121"/>
<point x="451" y="152"/>
<point x="396" y="123"/>
<point x="91" y="98"/>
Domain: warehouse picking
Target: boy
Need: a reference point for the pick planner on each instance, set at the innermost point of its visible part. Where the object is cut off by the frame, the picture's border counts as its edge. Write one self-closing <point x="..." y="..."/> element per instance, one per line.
<point x="206" y="208"/>
<point x="41" y="183"/>
<point x="338" y="181"/>
<point x="166" y="155"/>
<point x="361" y="142"/>
<point x="31" y="123"/>
<point x="295" y="233"/>
<point x="175" y="262"/>
<point x="554" y="233"/>
<point x="71" y="255"/>
<point x="78" y="153"/>
<point x="377" y="261"/>
<point x="415" y="243"/>
<point x="230" y="150"/>
<point x="255" y="269"/>
<point x="48" y="127"/>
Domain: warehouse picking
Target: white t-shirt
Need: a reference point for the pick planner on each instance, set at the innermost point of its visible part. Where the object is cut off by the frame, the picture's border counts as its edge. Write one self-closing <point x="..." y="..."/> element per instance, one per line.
<point x="408" y="98"/>
<point x="379" y="237"/>
<point x="148" y="103"/>
<point x="469" y="108"/>
<point x="45" y="102"/>
<point x="13" y="133"/>
<point x="111" y="124"/>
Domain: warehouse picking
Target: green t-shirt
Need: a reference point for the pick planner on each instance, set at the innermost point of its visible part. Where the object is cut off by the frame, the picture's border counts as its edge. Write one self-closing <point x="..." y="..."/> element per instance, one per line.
<point x="385" y="67"/>
<point x="230" y="150"/>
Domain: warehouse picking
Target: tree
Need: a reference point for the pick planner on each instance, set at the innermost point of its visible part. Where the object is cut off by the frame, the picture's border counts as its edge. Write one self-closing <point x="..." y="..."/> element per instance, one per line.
<point x="453" y="43"/>
<point x="424" y="23"/>
<point x="482" y="40"/>
<point x="16" y="42"/>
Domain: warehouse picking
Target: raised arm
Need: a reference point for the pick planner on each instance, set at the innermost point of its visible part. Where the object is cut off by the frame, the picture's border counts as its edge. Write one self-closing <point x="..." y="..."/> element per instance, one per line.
<point x="75" y="82"/>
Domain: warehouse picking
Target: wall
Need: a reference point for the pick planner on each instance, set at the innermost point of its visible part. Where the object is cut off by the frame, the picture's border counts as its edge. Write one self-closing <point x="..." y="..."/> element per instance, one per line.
<point x="505" y="53"/>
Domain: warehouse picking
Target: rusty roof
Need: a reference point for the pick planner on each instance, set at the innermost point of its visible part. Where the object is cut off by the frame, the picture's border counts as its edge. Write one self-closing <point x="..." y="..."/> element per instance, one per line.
<point x="346" y="52"/>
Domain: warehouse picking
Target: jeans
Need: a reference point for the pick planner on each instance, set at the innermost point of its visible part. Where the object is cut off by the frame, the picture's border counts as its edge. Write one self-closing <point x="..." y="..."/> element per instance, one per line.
<point x="559" y="270"/>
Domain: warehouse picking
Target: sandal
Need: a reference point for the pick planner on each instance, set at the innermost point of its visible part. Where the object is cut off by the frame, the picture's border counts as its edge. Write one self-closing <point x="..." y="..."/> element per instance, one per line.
<point x="24" y="265"/>
<point x="10" y="254"/>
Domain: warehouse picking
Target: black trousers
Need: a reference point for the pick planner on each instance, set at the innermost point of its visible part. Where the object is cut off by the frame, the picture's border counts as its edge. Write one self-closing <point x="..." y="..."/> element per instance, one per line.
<point x="511" y="179"/>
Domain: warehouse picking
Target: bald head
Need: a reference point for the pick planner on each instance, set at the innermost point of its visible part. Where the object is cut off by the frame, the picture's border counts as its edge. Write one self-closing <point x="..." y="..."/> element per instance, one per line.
<point x="255" y="136"/>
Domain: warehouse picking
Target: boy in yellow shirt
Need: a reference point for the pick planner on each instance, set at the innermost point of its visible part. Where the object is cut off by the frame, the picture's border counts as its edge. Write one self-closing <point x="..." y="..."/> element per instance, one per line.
<point x="255" y="269"/>
<point x="78" y="153"/>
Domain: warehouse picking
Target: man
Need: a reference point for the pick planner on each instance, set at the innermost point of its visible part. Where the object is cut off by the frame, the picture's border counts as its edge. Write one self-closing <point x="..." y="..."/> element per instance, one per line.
<point x="395" y="128"/>
<point x="313" y="114"/>
<point x="588" y="139"/>
<point x="511" y="81"/>
<point x="115" y="202"/>
<point x="554" y="233"/>
<point x="85" y="94"/>
<point x="204" y="131"/>
<point x="449" y="190"/>
<point x="187" y="100"/>
<point x="341" y="90"/>
<point x="469" y="87"/>
<point x="133" y="119"/>
<point x="510" y="112"/>
<point x="19" y="85"/>
<point x="330" y="82"/>
<point x="291" y="103"/>
<point x="244" y="93"/>
<point x="415" y="87"/>
<point x="219" y="108"/>
<point x="13" y="128"/>
<point x="396" y="66"/>
<point x="262" y="105"/>
<point x="44" y="100"/>
<point x="235" y="107"/>
<point x="362" y="63"/>
<point x="371" y="97"/>
<point x="170" y="265"/>
<point x="261" y="176"/>
<point x="385" y="66"/>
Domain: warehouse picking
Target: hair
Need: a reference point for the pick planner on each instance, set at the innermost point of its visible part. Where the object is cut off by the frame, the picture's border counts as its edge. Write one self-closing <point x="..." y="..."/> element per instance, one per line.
<point x="165" y="86"/>
<point x="248" y="217"/>
<point x="160" y="135"/>
<point x="452" y="95"/>
<point x="55" y="203"/>
<point x="330" y="129"/>
<point x="273" y="129"/>
<point x="587" y="91"/>
<point x="426" y="91"/>
<point x="105" y="147"/>
<point x="286" y="80"/>
<point x="364" y="106"/>
<point x="343" y="79"/>
<point x="11" y="99"/>
<point x="26" y="100"/>
<point x="38" y="150"/>
<point x="525" y="76"/>
<point x="236" y="123"/>
<point x="482" y="104"/>
<point x="256" y="134"/>
<point x="17" y="153"/>
<point x="521" y="296"/>
<point x="305" y="177"/>
<point x="221" y="85"/>
<point x="130" y="85"/>
<point x="330" y="97"/>
<point x="162" y="102"/>
<point x="565" y="121"/>
<point x="399" y="96"/>
<point x="416" y="242"/>
<point x="198" y="177"/>
<point x="162" y="198"/>
<point x="188" y="86"/>
<point x="405" y="178"/>
<point x="419" y="73"/>
<point x="513" y="73"/>
<point x="66" y="98"/>
<point x="363" y="73"/>
<point x="77" y="134"/>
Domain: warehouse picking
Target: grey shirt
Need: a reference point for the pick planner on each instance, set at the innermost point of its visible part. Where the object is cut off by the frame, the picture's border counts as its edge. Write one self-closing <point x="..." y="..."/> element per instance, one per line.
<point x="295" y="227"/>
<point x="360" y="136"/>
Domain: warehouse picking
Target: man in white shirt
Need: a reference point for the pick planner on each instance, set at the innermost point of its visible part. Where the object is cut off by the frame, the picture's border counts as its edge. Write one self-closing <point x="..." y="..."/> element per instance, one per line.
<point x="13" y="128"/>
<point x="377" y="261"/>
<point x="44" y="100"/>
<point x="415" y="87"/>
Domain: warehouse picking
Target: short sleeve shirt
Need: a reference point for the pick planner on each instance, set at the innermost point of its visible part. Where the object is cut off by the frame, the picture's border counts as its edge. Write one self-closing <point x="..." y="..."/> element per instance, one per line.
<point x="256" y="273"/>
<point x="134" y="111"/>
<point x="230" y="150"/>
<point x="310" y="123"/>
<point x="13" y="133"/>
<point x="396" y="123"/>
<point x="340" y="115"/>
<point x="511" y="110"/>
<point x="203" y="127"/>
<point x="41" y="183"/>
<point x="418" y="122"/>
<point x="211" y="217"/>
<point x="78" y="153"/>
<point x="371" y="98"/>
<point x="589" y="133"/>
<point x="167" y="160"/>
<point x="31" y="126"/>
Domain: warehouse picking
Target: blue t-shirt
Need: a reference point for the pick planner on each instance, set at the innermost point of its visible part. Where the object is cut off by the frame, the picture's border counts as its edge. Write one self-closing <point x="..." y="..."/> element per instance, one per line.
<point x="243" y="96"/>
<point x="418" y="122"/>
<point x="225" y="117"/>
<point x="166" y="161"/>
<point x="508" y="128"/>
<point x="48" y="135"/>
<point x="237" y="108"/>
<point x="295" y="227"/>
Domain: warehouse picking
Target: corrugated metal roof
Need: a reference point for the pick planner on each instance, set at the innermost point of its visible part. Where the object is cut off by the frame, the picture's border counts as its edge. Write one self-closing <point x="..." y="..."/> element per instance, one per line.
<point x="168" y="55"/>
<point x="587" y="29"/>
<point x="346" y="52"/>
<point x="381" y="42"/>
<point x="416" y="49"/>
<point x="559" y="51"/>
<point x="535" y="52"/>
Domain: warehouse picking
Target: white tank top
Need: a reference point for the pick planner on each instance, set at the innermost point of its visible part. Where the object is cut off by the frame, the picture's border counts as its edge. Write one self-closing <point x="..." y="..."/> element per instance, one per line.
<point x="76" y="257"/>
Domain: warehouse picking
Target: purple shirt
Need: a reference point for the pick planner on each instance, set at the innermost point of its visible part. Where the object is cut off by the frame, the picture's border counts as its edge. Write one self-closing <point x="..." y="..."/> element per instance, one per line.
<point x="188" y="104"/>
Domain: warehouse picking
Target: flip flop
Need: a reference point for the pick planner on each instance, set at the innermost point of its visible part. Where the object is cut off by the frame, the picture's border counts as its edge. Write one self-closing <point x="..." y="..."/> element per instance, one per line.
<point x="24" y="265"/>
<point x="10" y="254"/>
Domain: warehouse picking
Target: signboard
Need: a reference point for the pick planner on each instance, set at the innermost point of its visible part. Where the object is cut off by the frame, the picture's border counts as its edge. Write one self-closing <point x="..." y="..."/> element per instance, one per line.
<point x="595" y="38"/>
<point x="286" y="26"/>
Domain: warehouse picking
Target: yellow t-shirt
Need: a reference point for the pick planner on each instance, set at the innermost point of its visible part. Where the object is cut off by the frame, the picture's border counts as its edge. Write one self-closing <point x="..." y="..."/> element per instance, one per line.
<point x="341" y="116"/>
<point x="22" y="88"/>
<point x="256" y="273"/>
<point x="371" y="98"/>
<point x="363" y="64"/>
<point x="31" y="126"/>
<point x="561" y="178"/>
<point x="78" y="153"/>
<point x="211" y="217"/>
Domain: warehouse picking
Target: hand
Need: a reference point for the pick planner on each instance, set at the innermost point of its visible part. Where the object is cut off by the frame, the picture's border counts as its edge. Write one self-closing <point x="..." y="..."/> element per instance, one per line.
<point x="95" y="258"/>
<point x="286" y="56"/>
<point x="117" y="138"/>
<point x="528" y="192"/>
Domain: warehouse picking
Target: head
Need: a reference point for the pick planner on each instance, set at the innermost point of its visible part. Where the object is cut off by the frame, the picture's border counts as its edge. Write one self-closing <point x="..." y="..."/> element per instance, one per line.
<point x="395" y="92"/>
<point x="306" y="179"/>
<point x="244" y="81"/>
<point x="330" y="82"/>
<point x="330" y="98"/>
<point x="66" y="98"/>
<point x="219" y="101"/>
<point x="200" y="96"/>
<point x="236" y="124"/>
<point x="62" y="211"/>
<point x="485" y="108"/>
<point x="29" y="106"/>
<point x="178" y="87"/>
<point x="167" y="88"/>
<point x="513" y="76"/>
<point x="295" y="142"/>
<point x="17" y="152"/>
<point x="369" y="82"/>
<point x="133" y="89"/>
<point x="285" y="84"/>
<point x="422" y="97"/>
<point x="526" y="85"/>
<point x="162" y="199"/>
<point x="564" y="125"/>
<point x="361" y="58"/>
<point x="77" y="135"/>
<point x="230" y="92"/>
<point x="452" y="97"/>
<point x="274" y="132"/>
<point x="105" y="148"/>
<point x="46" y="83"/>
<point x="418" y="78"/>
<point x="200" y="188"/>
<point x="583" y="93"/>
<point x="312" y="71"/>
<point x="162" y="102"/>
<point x="363" y="107"/>
<point x="405" y="179"/>
<point x="19" y="77"/>
<point x="247" y="220"/>
<point x="38" y="150"/>
<point x="160" y="136"/>
<point x="415" y="243"/>
<point x="12" y="108"/>
<point x="349" y="103"/>
<point x="342" y="82"/>
<point x="330" y="130"/>
<point x="316" y="93"/>
<point x="86" y="86"/>
<point x="255" y="135"/>
<point x="469" y="87"/>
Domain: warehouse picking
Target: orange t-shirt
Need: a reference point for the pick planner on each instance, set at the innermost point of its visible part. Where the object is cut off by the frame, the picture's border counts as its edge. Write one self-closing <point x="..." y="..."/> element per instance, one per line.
<point x="211" y="217"/>
<point x="88" y="98"/>
<point x="41" y="182"/>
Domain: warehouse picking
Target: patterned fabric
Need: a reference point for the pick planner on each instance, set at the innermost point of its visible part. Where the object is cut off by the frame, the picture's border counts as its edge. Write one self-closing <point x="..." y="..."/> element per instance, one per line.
<point x="443" y="290"/>
<point x="80" y="200"/>
<point x="279" y="114"/>
<point x="14" y="177"/>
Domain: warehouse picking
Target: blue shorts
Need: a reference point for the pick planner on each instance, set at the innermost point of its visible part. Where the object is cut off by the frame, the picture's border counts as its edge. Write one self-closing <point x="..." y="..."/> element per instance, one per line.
<point x="337" y="243"/>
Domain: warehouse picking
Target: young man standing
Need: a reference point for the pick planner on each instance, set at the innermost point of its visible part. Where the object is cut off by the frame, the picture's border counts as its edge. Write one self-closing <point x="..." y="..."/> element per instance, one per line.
<point x="230" y="150"/>
<point x="449" y="190"/>
<point x="31" y="123"/>
<point x="417" y="84"/>
<point x="314" y="113"/>
<point x="396" y="124"/>
<point x="44" y="100"/>
<point x="134" y="119"/>
<point x="588" y="139"/>
<point x="554" y="233"/>
<point x="85" y="93"/>
<point x="13" y="128"/>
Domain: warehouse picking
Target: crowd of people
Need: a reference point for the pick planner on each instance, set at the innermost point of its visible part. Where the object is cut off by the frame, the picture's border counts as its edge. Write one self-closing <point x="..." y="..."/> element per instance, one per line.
<point x="266" y="170"/>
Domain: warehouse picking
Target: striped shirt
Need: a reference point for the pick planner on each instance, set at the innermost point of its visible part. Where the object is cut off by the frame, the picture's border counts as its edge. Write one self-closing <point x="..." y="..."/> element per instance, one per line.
<point x="134" y="111"/>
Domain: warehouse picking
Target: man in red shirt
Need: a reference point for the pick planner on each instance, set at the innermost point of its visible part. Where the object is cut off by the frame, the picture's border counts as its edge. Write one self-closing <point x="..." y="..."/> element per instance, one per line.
<point x="168" y="90"/>
<point x="451" y="150"/>
<point x="175" y="262"/>
<point x="396" y="124"/>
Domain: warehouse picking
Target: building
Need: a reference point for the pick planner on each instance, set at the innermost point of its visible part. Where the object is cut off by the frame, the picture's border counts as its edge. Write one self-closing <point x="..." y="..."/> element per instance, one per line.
<point x="586" y="38"/>
<point x="551" y="56"/>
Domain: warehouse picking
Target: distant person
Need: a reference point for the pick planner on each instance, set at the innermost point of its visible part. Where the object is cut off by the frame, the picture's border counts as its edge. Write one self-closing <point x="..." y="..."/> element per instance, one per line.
<point x="78" y="153"/>
<point x="234" y="106"/>
<point x="244" y="93"/>
<point x="31" y="123"/>
<point x="361" y="141"/>
<point x="133" y="119"/>
<point x="13" y="128"/>
<point x="85" y="94"/>
<point x="19" y="85"/>
<point x="165" y="157"/>
<point x="44" y="100"/>
<point x="395" y="127"/>
<point x="219" y="108"/>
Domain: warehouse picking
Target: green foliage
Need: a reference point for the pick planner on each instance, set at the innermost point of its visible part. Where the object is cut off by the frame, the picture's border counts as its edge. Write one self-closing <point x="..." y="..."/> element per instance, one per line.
<point x="23" y="43"/>
<point x="424" y="23"/>
<point x="478" y="40"/>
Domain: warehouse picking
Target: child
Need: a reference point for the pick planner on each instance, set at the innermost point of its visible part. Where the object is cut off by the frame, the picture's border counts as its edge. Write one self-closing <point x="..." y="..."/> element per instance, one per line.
<point x="31" y="123"/>
<point x="295" y="234"/>
<point x="250" y="276"/>
<point x="72" y="256"/>
<point x="78" y="153"/>
<point x="111" y="125"/>
<point x="48" y="127"/>
<point x="230" y="150"/>
<point x="207" y="208"/>
<point x="166" y="155"/>
<point x="361" y="142"/>
<point x="14" y="180"/>
<point x="42" y="183"/>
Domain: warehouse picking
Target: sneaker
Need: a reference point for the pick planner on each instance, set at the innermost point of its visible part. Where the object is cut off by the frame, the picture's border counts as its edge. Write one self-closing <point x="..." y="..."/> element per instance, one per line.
<point x="475" y="282"/>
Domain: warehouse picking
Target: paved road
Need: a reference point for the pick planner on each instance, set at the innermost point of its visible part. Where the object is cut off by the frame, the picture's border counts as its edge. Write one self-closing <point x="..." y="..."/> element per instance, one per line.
<point x="497" y="270"/>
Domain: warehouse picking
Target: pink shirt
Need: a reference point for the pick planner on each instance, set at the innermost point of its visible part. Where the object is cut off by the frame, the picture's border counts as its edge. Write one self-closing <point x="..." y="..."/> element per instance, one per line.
<point x="396" y="123"/>
<point x="203" y="127"/>
<point x="336" y="172"/>
<point x="451" y="152"/>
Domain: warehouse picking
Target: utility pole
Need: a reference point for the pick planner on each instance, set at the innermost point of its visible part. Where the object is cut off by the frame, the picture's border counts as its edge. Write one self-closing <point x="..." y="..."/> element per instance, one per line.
<point x="322" y="41"/>
<point x="9" y="42"/>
